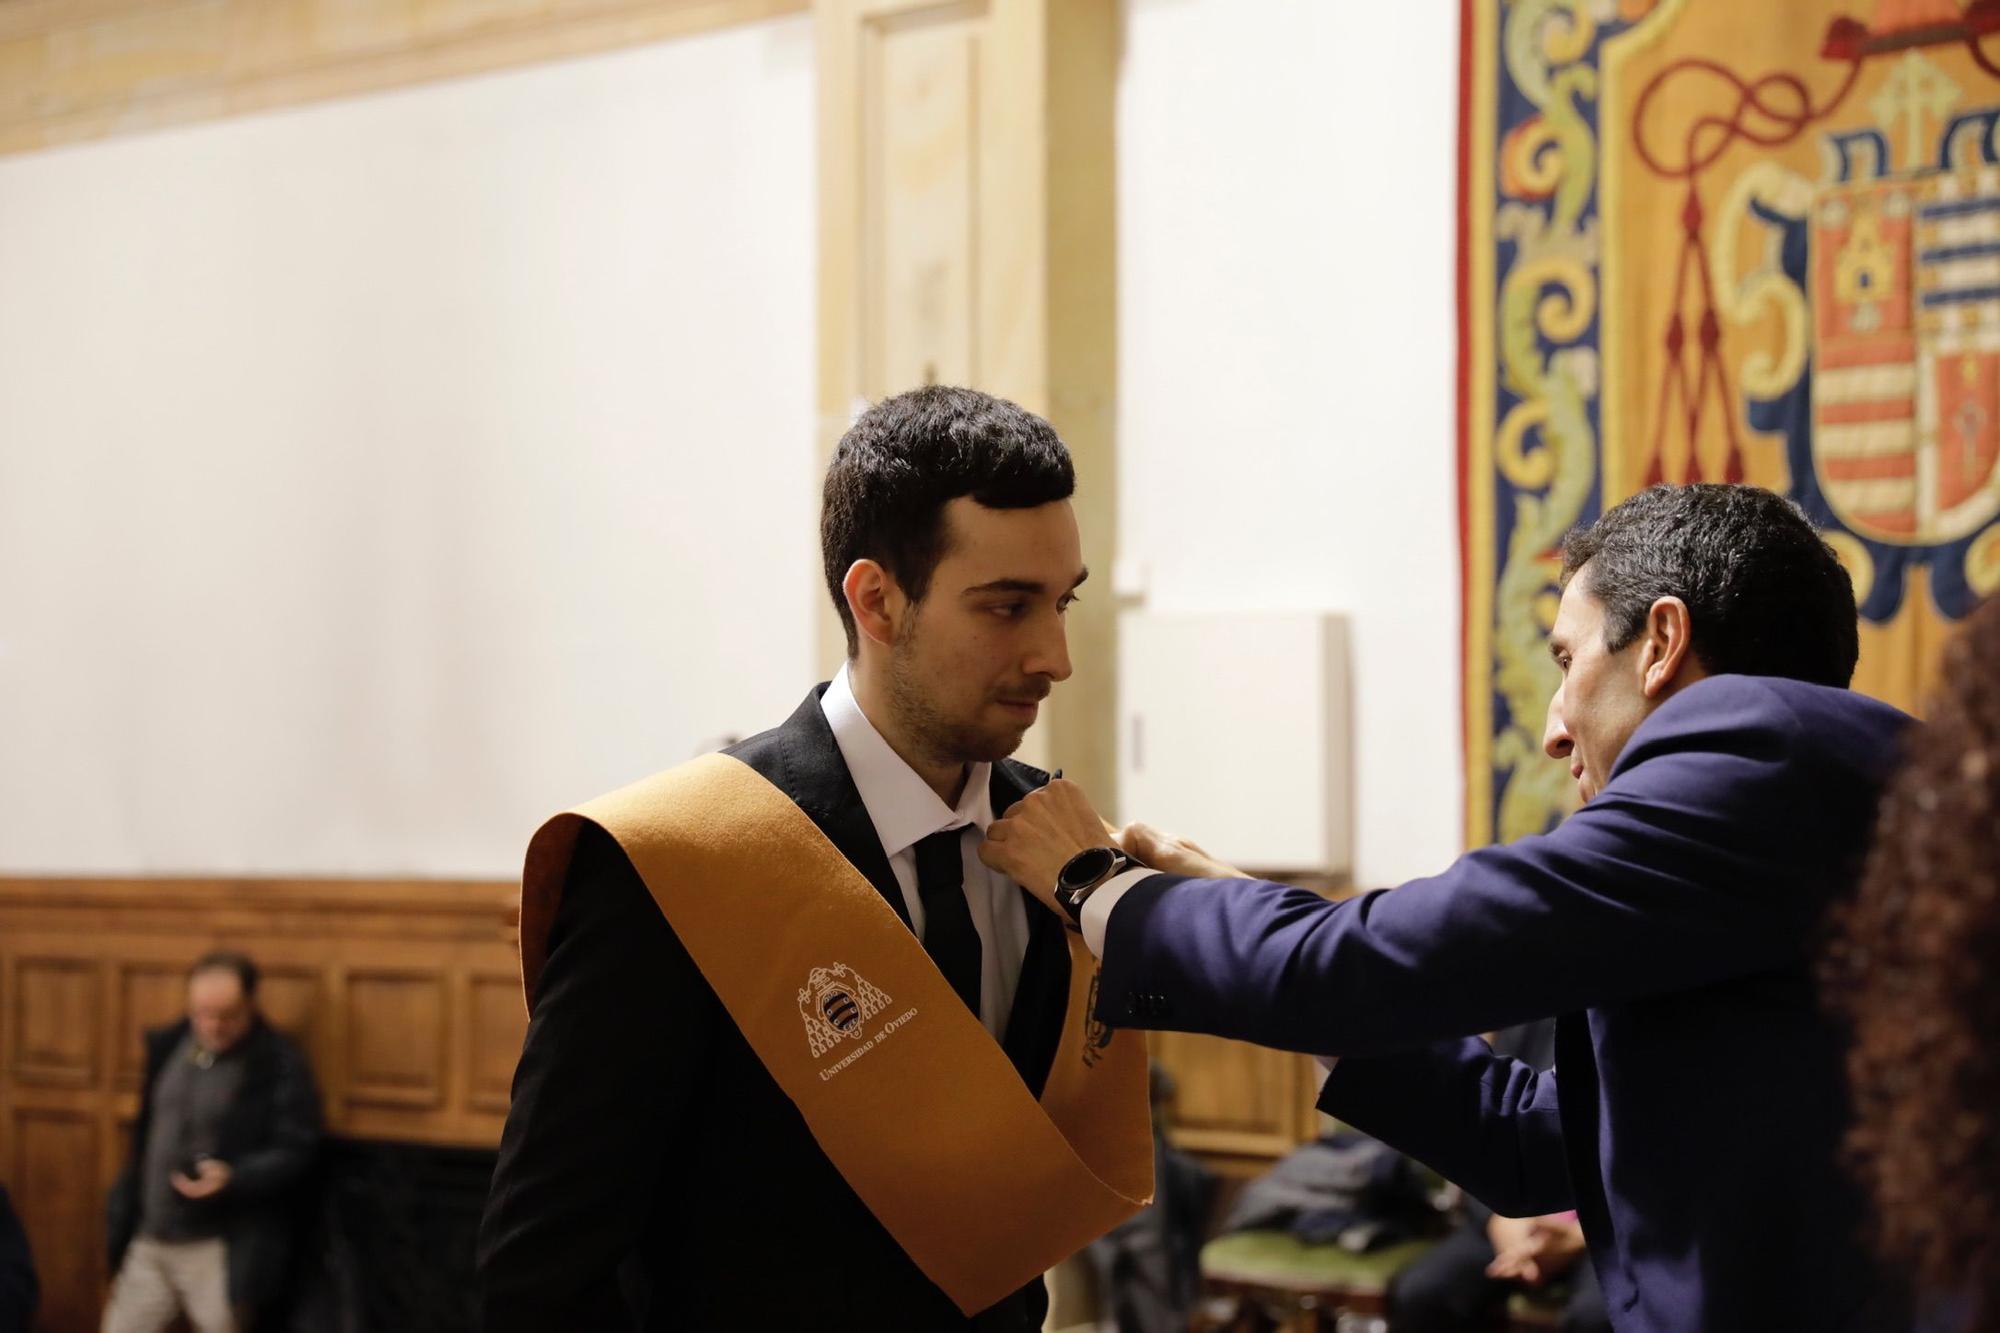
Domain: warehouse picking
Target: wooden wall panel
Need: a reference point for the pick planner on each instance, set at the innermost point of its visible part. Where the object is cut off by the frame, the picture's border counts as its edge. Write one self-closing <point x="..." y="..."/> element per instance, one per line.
<point x="291" y="999"/>
<point x="396" y="1054"/>
<point x="53" y="1175"/>
<point x="149" y="994"/>
<point x="1237" y="1104"/>
<point x="55" y="1007"/>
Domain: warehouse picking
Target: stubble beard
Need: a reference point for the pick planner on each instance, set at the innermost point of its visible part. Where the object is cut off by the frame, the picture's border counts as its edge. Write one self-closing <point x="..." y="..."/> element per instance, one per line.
<point x="944" y="738"/>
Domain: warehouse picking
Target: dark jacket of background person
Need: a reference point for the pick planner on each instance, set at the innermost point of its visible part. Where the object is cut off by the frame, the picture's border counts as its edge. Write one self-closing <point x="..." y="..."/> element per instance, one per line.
<point x="1695" y="1115"/>
<point x="269" y="1138"/>
<point x="643" y="1123"/>
<point x="20" y="1292"/>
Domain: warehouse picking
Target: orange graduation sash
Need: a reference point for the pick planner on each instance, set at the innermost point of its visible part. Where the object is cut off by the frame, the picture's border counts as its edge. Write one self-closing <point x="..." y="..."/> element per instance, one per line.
<point x="983" y="1186"/>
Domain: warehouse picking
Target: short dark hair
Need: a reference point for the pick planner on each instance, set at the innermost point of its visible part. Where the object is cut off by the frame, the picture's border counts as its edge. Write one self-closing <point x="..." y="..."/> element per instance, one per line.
<point x="227" y="960"/>
<point x="1766" y="594"/>
<point x="907" y="457"/>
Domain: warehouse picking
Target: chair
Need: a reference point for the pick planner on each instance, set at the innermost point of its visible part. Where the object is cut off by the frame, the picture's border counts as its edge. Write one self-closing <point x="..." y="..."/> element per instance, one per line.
<point x="1254" y="1281"/>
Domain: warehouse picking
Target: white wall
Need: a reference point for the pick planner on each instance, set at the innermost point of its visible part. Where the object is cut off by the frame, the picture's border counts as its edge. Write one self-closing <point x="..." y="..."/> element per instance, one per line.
<point x="379" y="476"/>
<point x="1286" y="344"/>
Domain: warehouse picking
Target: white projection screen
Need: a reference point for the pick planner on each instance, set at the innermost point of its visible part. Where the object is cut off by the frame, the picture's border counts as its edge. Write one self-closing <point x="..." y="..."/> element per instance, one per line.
<point x="380" y="476"/>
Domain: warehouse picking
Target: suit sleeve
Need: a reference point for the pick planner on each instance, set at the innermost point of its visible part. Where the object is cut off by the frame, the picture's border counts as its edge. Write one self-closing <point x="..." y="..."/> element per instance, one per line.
<point x="1705" y="858"/>
<point x="1487" y="1123"/>
<point x="617" y="1044"/>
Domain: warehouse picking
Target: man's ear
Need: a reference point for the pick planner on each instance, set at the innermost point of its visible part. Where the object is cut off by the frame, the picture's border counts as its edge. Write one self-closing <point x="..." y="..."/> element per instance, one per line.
<point x="875" y="600"/>
<point x="1666" y="656"/>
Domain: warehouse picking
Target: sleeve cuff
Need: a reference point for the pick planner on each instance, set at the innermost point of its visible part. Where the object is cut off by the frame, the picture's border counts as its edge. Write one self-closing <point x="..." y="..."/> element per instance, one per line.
<point x="1096" y="916"/>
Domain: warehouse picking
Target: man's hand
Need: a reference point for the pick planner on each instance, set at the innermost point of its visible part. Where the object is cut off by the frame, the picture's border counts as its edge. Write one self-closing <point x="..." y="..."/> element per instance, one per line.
<point x="1039" y="835"/>
<point x="1171" y="855"/>
<point x="1533" y="1250"/>
<point x="211" y="1177"/>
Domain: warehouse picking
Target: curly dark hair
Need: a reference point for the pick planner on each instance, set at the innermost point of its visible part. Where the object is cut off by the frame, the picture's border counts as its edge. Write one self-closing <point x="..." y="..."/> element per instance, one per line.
<point x="1911" y="967"/>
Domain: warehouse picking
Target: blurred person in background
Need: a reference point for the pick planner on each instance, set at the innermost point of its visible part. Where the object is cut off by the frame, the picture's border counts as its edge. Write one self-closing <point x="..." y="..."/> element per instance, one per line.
<point x="1912" y="967"/>
<point x="201" y="1220"/>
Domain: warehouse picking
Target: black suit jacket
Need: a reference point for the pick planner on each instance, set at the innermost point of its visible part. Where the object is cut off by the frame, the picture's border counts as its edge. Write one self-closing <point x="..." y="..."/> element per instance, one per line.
<point x="645" y="1128"/>
<point x="20" y="1293"/>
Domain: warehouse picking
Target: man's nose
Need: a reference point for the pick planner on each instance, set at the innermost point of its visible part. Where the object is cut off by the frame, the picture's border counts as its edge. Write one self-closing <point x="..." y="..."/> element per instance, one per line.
<point x="1556" y="740"/>
<point x="1051" y="654"/>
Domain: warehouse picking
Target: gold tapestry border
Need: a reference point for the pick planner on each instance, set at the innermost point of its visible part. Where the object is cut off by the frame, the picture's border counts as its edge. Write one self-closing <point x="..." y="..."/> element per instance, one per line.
<point x="1476" y="467"/>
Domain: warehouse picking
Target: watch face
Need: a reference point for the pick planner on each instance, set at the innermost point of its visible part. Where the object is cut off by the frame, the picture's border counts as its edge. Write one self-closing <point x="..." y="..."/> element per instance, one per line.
<point x="1085" y="867"/>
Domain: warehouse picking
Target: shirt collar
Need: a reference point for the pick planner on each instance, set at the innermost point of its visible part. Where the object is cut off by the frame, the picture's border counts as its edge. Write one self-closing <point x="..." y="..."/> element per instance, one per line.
<point x="900" y="804"/>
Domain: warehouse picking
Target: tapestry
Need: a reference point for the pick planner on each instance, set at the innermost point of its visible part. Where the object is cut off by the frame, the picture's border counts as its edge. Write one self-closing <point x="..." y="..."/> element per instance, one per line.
<point x="1722" y="240"/>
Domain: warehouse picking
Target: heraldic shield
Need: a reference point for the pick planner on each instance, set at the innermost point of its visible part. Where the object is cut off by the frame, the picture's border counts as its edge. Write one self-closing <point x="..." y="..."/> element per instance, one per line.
<point x="1906" y="342"/>
<point x="836" y="1005"/>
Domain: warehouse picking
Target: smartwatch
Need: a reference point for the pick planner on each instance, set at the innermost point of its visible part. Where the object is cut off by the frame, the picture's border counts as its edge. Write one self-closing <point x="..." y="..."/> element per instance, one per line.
<point x="1082" y="875"/>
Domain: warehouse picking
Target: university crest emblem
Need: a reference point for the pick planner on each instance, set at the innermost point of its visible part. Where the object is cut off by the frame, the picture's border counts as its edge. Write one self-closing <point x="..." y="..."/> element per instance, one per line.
<point x="836" y="1005"/>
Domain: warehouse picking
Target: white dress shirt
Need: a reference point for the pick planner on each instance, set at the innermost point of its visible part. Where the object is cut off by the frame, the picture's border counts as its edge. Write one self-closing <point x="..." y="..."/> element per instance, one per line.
<point x="1095" y="918"/>
<point x="905" y="811"/>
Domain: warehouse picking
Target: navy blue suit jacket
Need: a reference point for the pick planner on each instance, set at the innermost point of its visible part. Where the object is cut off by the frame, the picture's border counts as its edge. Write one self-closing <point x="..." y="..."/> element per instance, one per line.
<point x="1671" y="924"/>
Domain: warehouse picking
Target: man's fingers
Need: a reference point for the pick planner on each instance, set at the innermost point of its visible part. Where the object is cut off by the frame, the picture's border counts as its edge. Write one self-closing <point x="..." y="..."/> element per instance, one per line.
<point x="1139" y="840"/>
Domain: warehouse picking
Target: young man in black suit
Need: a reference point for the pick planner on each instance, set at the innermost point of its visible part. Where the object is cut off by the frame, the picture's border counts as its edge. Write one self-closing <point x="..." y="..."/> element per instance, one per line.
<point x="645" y="1123"/>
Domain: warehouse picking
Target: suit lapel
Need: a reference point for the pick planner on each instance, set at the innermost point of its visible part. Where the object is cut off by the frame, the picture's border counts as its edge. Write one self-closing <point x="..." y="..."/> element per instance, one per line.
<point x="802" y="760"/>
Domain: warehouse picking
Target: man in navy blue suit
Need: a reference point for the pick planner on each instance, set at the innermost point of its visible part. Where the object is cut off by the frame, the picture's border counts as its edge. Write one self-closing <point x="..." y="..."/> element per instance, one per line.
<point x="1706" y="637"/>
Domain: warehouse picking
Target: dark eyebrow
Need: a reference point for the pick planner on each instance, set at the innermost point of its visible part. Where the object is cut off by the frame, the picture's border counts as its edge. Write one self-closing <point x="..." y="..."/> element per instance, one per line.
<point x="1032" y="587"/>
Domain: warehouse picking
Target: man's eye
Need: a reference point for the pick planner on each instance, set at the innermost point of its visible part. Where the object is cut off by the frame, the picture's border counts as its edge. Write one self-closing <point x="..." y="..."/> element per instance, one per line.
<point x="1562" y="663"/>
<point x="1010" y="610"/>
<point x="1066" y="603"/>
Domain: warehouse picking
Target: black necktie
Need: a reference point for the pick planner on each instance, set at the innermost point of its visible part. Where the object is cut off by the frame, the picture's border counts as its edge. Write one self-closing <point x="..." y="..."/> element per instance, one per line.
<point x="949" y="937"/>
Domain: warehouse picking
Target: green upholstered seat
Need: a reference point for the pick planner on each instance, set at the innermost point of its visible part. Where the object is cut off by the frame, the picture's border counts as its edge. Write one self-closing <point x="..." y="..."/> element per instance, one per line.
<point x="1281" y="1262"/>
